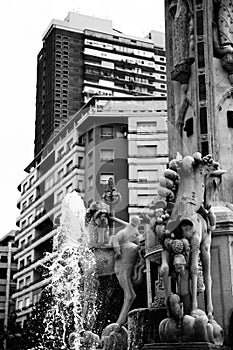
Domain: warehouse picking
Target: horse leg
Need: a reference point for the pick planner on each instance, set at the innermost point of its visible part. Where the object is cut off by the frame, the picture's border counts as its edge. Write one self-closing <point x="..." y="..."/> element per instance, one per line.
<point x="124" y="278"/>
<point x="205" y="251"/>
<point x="195" y="250"/>
<point x="164" y="272"/>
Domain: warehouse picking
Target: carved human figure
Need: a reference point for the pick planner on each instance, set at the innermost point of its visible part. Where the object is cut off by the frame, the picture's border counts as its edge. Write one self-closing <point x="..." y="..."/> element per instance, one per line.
<point x="97" y="219"/>
<point x="126" y="245"/>
<point x="182" y="30"/>
<point x="223" y="32"/>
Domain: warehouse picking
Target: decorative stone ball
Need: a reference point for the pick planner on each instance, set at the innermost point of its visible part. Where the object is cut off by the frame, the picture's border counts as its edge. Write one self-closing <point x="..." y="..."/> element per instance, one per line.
<point x="177" y="246"/>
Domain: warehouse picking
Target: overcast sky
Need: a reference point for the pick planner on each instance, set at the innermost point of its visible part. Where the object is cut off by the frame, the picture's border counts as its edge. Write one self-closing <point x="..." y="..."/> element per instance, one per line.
<point x="21" y="27"/>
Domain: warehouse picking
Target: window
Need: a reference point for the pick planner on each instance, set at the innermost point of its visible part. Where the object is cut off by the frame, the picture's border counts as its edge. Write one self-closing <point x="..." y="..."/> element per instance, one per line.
<point x="90" y="182"/>
<point x="28" y="280"/>
<point x="30" y="200"/>
<point x="147" y="151"/>
<point x="60" y="153"/>
<point x="30" y="219"/>
<point x="29" y="259"/>
<point x="21" y="283"/>
<point x="90" y="135"/>
<point x="80" y="184"/>
<point x="106" y="155"/>
<point x="4" y="258"/>
<point x="69" y="166"/>
<point x="49" y="182"/>
<point x="144" y="200"/>
<point x="27" y="302"/>
<point x="60" y="196"/>
<point x="147" y="176"/>
<point x="69" y="144"/>
<point x="20" y="304"/>
<point x="21" y="263"/>
<point x="31" y="180"/>
<point x="80" y="162"/>
<point x="40" y="209"/>
<point x="24" y="205"/>
<point x="69" y="188"/>
<point x="22" y="243"/>
<point x="107" y="131"/>
<point x="60" y="174"/>
<point x="57" y="220"/>
<point x="90" y="158"/>
<point x="29" y="238"/>
<point x="104" y="177"/>
<point x="24" y="224"/>
<point x="146" y="127"/>
<point x="24" y="187"/>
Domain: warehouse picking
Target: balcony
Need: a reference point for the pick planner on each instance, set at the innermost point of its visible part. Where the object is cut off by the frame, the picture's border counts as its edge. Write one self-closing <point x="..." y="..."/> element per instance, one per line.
<point x="41" y="260"/>
<point x="49" y="228"/>
<point x="33" y="286"/>
<point x="30" y="204"/>
<point x="37" y="242"/>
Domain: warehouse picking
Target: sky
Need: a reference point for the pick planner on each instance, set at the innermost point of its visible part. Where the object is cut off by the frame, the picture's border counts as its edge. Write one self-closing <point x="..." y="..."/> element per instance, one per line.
<point x="22" y="25"/>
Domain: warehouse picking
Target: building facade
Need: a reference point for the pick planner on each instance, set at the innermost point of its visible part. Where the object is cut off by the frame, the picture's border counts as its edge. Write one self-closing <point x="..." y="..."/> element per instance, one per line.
<point x="7" y="286"/>
<point x="84" y="56"/>
<point x="122" y="137"/>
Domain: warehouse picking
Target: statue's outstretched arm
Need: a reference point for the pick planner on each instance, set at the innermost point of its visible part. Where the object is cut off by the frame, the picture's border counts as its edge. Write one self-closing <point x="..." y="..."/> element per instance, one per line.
<point x="119" y="221"/>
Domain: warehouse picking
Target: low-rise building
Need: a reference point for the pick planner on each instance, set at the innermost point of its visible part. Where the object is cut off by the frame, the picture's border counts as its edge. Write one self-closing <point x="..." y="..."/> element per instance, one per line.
<point x="7" y="269"/>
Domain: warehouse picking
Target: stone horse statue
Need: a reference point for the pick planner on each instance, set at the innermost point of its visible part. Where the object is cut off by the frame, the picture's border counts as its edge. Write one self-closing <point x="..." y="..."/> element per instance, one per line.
<point x="184" y="228"/>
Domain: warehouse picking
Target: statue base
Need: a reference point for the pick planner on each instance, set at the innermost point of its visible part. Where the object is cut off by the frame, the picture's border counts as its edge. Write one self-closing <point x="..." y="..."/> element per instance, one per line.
<point x="183" y="346"/>
<point x="143" y="326"/>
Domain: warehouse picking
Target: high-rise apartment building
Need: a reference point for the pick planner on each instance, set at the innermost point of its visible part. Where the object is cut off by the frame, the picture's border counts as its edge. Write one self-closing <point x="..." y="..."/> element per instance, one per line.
<point x="120" y="137"/>
<point x="84" y="56"/>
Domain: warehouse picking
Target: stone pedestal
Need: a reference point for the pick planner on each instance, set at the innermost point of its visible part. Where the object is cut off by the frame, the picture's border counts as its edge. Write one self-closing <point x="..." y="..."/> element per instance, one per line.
<point x="143" y="327"/>
<point x="183" y="346"/>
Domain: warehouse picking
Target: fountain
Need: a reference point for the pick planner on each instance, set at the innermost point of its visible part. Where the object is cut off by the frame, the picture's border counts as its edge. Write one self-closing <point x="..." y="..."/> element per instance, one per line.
<point x="83" y="252"/>
<point x="71" y="318"/>
<point x="86" y="248"/>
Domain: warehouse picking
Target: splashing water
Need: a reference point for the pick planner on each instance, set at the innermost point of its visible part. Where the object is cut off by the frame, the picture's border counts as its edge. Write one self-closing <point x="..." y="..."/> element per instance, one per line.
<point x="74" y="282"/>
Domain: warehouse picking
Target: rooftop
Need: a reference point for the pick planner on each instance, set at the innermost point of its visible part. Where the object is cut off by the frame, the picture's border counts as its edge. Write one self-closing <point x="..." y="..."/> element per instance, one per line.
<point x="77" y="22"/>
